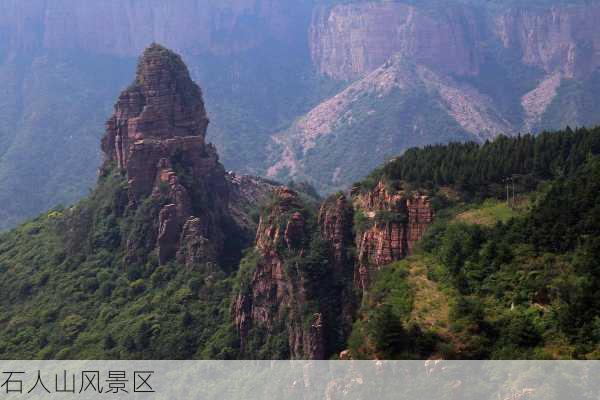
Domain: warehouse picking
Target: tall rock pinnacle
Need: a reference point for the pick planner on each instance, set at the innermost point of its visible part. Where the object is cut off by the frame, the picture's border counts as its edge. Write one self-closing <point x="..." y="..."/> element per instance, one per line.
<point x="163" y="102"/>
<point x="155" y="138"/>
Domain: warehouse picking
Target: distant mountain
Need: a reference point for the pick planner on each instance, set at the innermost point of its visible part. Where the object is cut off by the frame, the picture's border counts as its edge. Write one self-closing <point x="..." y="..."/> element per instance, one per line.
<point x="397" y="106"/>
<point x="272" y="74"/>
<point x="171" y="257"/>
<point x="62" y="63"/>
<point x="434" y="72"/>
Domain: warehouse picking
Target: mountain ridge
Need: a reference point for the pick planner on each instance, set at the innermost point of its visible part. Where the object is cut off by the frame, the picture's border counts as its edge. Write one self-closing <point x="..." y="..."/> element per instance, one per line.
<point x="264" y="66"/>
<point x="172" y="257"/>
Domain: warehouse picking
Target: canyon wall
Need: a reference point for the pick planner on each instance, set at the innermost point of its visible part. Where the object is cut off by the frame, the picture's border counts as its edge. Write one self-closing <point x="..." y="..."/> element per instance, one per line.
<point x="273" y="302"/>
<point x="294" y="88"/>
<point x="305" y="284"/>
<point x="558" y="39"/>
<point x="423" y="73"/>
<point x="346" y="40"/>
<point x="393" y="223"/>
<point x="351" y="40"/>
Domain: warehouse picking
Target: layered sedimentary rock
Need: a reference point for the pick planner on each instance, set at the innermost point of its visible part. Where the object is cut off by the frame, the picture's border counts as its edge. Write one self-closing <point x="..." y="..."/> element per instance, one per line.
<point x="306" y="296"/>
<point x="555" y="39"/>
<point x="155" y="138"/>
<point x="336" y="228"/>
<point x="299" y="291"/>
<point x="62" y="54"/>
<point x="393" y="224"/>
<point x="350" y="40"/>
<point x="272" y="301"/>
<point x="335" y="224"/>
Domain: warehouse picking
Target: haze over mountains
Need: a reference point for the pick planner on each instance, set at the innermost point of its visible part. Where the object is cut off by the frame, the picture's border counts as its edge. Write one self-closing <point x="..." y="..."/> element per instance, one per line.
<point x="321" y="91"/>
<point x="171" y="257"/>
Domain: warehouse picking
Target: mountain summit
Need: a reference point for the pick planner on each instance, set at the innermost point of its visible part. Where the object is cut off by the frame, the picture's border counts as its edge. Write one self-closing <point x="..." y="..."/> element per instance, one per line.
<point x="155" y="139"/>
<point x="162" y="103"/>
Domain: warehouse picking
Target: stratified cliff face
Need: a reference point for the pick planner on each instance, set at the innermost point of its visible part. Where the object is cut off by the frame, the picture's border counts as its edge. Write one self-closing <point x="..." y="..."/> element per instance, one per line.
<point x="558" y="39"/>
<point x="335" y="223"/>
<point x="350" y="40"/>
<point x="271" y="70"/>
<point x="336" y="228"/>
<point x="303" y="288"/>
<point x="392" y="225"/>
<point x="274" y="302"/>
<point x="156" y="139"/>
<point x="426" y="73"/>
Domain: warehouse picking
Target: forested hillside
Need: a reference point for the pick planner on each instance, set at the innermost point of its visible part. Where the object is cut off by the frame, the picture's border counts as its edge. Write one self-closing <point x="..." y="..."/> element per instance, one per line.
<point x="514" y="280"/>
<point x="488" y="279"/>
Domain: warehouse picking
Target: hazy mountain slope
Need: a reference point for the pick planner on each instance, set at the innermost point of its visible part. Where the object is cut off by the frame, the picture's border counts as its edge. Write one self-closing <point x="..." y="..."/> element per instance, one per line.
<point x="164" y="207"/>
<point x="52" y="119"/>
<point x="159" y="262"/>
<point x="63" y="62"/>
<point x="397" y="106"/>
<point x="265" y="63"/>
<point x="477" y="72"/>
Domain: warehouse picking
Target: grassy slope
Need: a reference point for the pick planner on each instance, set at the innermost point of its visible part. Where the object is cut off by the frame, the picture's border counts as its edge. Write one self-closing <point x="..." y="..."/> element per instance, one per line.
<point x="492" y="211"/>
<point x="438" y="307"/>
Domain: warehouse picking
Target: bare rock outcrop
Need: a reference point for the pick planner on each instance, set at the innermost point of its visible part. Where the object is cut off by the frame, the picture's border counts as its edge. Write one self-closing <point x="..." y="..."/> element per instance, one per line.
<point x="560" y="39"/>
<point x="301" y="287"/>
<point x="275" y="299"/>
<point x="245" y="193"/>
<point x="156" y="139"/>
<point x="335" y="223"/>
<point x="351" y="40"/>
<point x="336" y="228"/>
<point x="393" y="224"/>
<point x="195" y="248"/>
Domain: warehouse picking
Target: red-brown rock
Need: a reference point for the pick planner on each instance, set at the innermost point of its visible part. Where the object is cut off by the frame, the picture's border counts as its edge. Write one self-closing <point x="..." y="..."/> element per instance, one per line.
<point x="156" y="139"/>
<point x="335" y="222"/>
<point x="273" y="295"/>
<point x="386" y="241"/>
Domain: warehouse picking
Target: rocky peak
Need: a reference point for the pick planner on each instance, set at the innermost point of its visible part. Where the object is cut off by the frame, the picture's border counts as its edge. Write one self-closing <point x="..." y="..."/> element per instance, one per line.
<point x="163" y="102"/>
<point x="306" y="295"/>
<point x="276" y="300"/>
<point x="301" y="287"/>
<point x="156" y="139"/>
<point x="169" y="95"/>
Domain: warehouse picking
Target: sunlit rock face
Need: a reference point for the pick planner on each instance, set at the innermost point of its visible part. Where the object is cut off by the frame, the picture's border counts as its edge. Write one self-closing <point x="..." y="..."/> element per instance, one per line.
<point x="396" y="222"/>
<point x="156" y="139"/>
